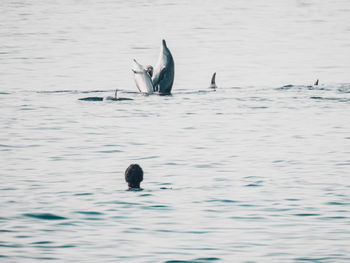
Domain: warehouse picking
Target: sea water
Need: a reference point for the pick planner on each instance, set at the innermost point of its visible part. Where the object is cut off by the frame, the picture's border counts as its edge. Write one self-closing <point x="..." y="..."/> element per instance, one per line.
<point x="256" y="171"/>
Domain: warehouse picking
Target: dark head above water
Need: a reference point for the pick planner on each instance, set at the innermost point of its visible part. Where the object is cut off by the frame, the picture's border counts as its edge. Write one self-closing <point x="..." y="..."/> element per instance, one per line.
<point x="134" y="176"/>
<point x="316" y="83"/>
<point x="213" y="84"/>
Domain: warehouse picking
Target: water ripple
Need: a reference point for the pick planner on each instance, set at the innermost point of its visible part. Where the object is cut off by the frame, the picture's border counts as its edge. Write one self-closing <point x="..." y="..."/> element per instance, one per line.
<point x="223" y="201"/>
<point x="198" y="260"/>
<point x="89" y="212"/>
<point x="306" y="214"/>
<point x="322" y="259"/>
<point x="45" y="216"/>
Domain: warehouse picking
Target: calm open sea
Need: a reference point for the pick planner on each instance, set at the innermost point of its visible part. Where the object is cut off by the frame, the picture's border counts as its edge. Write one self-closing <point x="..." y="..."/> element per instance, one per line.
<point x="257" y="171"/>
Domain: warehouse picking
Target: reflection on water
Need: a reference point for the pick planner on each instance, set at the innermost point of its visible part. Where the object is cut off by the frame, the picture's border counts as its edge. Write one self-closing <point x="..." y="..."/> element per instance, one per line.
<point x="255" y="171"/>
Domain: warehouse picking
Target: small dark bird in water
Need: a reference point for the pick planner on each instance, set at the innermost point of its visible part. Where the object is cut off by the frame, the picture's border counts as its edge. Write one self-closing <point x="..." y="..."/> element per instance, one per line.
<point x="316" y="83"/>
<point x="213" y="84"/>
<point x="134" y="176"/>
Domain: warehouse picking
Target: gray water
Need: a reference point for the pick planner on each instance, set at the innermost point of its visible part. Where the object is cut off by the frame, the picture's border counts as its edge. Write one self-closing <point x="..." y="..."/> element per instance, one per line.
<point x="257" y="171"/>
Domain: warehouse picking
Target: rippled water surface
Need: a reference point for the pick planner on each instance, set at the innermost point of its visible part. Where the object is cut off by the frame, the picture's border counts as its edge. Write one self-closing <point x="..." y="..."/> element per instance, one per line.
<point x="257" y="171"/>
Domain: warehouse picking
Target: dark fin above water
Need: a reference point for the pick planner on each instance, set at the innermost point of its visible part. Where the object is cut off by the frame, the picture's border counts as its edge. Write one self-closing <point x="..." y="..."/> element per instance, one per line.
<point x="213" y="78"/>
<point x="212" y="83"/>
<point x="316" y="83"/>
<point x="92" y="99"/>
